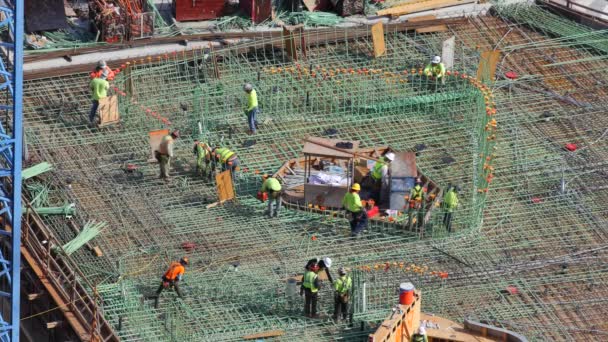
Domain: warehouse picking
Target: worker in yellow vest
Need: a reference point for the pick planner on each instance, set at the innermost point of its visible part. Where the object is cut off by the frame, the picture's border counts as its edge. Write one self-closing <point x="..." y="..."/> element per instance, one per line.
<point x="204" y="165"/>
<point x="342" y="286"/>
<point x="380" y="175"/>
<point x="310" y="289"/>
<point x="272" y="186"/>
<point x="435" y="69"/>
<point x="165" y="153"/>
<point x="417" y="203"/>
<point x="353" y="206"/>
<point x="251" y="109"/>
<point x="227" y="158"/>
<point x="450" y="202"/>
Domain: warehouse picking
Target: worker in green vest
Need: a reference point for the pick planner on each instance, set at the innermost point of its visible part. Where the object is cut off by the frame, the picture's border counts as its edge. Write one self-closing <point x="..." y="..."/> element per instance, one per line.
<point x="251" y="109"/>
<point x="310" y="289"/>
<point x="99" y="89"/>
<point x="352" y="204"/>
<point x="380" y="175"/>
<point x="165" y="153"/>
<point x="450" y="202"/>
<point x="420" y="336"/>
<point x="417" y="203"/>
<point x="227" y="158"/>
<point x="272" y="186"/>
<point x="435" y="69"/>
<point x="342" y="286"/>
<point x="204" y="166"/>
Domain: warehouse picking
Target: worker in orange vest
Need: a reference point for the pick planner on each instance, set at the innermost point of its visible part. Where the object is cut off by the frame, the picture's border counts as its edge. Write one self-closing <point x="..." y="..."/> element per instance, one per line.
<point x="172" y="277"/>
<point x="101" y="66"/>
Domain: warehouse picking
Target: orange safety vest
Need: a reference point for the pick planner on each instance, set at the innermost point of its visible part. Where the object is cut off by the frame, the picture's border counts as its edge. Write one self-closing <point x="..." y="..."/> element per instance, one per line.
<point x="176" y="269"/>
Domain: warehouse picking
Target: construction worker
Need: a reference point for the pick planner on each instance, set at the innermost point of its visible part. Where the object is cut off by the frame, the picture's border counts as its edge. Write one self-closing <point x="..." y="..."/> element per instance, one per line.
<point x="380" y="174"/>
<point x="342" y="287"/>
<point x="99" y="89"/>
<point x="165" y="153"/>
<point x="450" y="202"/>
<point x="251" y="109"/>
<point x="202" y="151"/>
<point x="101" y="66"/>
<point x="420" y="336"/>
<point x="324" y="265"/>
<point x="310" y="289"/>
<point x="227" y="158"/>
<point x="435" y="69"/>
<point x="417" y="202"/>
<point x="172" y="277"/>
<point x="272" y="186"/>
<point x="352" y="203"/>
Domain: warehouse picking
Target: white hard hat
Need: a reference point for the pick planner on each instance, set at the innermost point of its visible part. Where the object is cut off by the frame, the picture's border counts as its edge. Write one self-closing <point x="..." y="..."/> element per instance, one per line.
<point x="327" y="262"/>
<point x="436" y="60"/>
<point x="248" y="87"/>
<point x="390" y="156"/>
<point x="422" y="330"/>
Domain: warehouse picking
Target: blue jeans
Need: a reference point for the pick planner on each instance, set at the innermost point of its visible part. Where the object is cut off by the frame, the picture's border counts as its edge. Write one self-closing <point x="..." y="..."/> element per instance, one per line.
<point x="93" y="111"/>
<point x="252" y="119"/>
<point x="358" y="222"/>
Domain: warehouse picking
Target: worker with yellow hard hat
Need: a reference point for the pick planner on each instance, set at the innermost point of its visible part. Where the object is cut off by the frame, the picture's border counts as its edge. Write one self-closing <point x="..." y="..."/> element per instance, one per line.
<point x="352" y="204"/>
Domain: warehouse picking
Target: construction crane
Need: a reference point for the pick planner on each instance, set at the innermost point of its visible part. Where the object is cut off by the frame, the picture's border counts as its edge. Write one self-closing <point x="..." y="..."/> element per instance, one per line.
<point x="11" y="149"/>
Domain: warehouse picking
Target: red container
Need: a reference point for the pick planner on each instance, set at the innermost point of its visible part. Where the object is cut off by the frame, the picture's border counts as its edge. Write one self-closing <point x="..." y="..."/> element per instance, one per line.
<point x="406" y="293"/>
<point x="186" y="10"/>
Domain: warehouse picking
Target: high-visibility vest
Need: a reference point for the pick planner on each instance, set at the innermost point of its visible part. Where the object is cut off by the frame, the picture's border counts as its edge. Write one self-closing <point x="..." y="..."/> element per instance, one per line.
<point x="450" y="201"/>
<point x="418" y="338"/>
<point x="343" y="284"/>
<point x="417" y="192"/>
<point x="224" y="154"/>
<point x="377" y="170"/>
<point x="175" y="271"/>
<point x="309" y="281"/>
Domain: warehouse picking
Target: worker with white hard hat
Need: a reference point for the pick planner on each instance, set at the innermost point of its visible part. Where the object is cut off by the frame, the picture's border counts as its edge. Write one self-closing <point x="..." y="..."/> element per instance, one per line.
<point x="324" y="265"/>
<point x="380" y="175"/>
<point x="420" y="336"/>
<point x="435" y="69"/>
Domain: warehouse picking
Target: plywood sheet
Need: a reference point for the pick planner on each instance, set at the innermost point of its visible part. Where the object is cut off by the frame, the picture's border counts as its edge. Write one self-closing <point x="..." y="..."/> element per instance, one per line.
<point x="422" y="6"/>
<point x="155" y="139"/>
<point x="487" y="65"/>
<point x="326" y="148"/>
<point x="108" y="111"/>
<point x="447" y="53"/>
<point x="225" y="190"/>
<point x="378" y="39"/>
<point x="422" y="18"/>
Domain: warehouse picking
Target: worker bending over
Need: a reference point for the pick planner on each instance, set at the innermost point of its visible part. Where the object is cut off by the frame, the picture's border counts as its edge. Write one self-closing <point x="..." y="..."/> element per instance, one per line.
<point x="324" y="265"/>
<point x="380" y="175"/>
<point x="172" y="277"/>
<point x="435" y="69"/>
<point x="310" y="289"/>
<point x="165" y="153"/>
<point x="99" y="89"/>
<point x="251" y="109"/>
<point x="450" y="202"/>
<point x="352" y="203"/>
<point x="99" y="69"/>
<point x="204" y="166"/>
<point x="227" y="159"/>
<point x="342" y="288"/>
<point x="272" y="186"/>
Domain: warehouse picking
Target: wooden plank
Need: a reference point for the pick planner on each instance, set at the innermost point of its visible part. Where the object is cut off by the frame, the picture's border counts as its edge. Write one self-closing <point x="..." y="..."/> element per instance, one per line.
<point x="447" y="53"/>
<point x="225" y="190"/>
<point x="422" y="18"/>
<point x="265" y="334"/>
<point x="434" y="28"/>
<point x="422" y="6"/>
<point x="97" y="251"/>
<point x="378" y="40"/>
<point x="487" y="65"/>
<point x="108" y="111"/>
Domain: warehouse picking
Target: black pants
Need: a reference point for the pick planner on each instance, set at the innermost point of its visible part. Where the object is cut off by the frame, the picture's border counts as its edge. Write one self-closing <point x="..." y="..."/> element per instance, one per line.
<point x="310" y="302"/>
<point x="447" y="221"/>
<point x="358" y="222"/>
<point x="340" y="306"/>
<point x="167" y="284"/>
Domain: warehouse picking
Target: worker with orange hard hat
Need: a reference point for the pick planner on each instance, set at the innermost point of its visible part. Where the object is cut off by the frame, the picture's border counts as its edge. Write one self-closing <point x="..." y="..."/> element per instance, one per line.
<point x="352" y="204"/>
<point x="172" y="277"/>
<point x="310" y="289"/>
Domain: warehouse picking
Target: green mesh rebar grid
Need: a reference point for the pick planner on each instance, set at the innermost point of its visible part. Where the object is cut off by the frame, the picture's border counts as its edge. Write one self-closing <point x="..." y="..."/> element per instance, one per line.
<point x="541" y="227"/>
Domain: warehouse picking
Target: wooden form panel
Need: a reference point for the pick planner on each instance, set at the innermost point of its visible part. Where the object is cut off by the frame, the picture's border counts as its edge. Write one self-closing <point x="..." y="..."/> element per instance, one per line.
<point x="225" y="190"/>
<point x="108" y="111"/>
<point x="378" y="39"/>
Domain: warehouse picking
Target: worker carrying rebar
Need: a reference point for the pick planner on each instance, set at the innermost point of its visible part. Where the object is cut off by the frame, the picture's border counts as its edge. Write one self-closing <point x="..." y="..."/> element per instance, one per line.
<point x="435" y="69"/>
<point x="450" y="202"/>
<point x="227" y="158"/>
<point x="99" y="90"/>
<point x="358" y="215"/>
<point x="272" y="187"/>
<point x="204" y="165"/>
<point x="324" y="265"/>
<point x="165" y="153"/>
<point x="172" y="277"/>
<point x="342" y="287"/>
<point x="420" y="335"/>
<point x="380" y="175"/>
<point x="101" y="66"/>
<point x="251" y="109"/>
<point x="310" y="289"/>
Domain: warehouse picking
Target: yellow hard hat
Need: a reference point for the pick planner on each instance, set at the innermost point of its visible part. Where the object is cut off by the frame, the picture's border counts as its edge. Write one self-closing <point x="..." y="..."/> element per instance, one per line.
<point x="265" y="176"/>
<point x="356" y="187"/>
